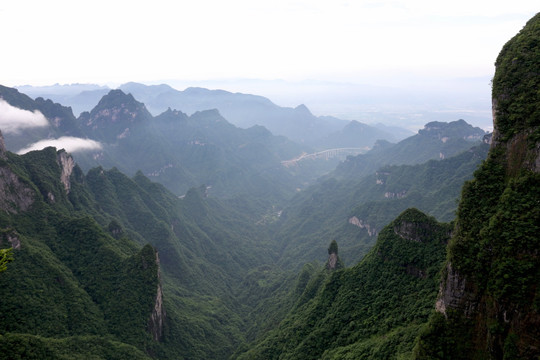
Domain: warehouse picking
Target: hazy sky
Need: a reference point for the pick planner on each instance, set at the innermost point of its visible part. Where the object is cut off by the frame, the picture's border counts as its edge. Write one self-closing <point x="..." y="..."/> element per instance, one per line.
<point x="115" y="41"/>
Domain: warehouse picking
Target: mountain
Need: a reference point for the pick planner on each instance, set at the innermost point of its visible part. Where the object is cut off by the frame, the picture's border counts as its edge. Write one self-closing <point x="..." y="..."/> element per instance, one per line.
<point x="488" y="303"/>
<point x="242" y="110"/>
<point x="58" y="120"/>
<point x="114" y="117"/>
<point x="105" y="265"/>
<point x="437" y="140"/>
<point x="174" y="149"/>
<point x="372" y="310"/>
<point x="71" y="283"/>
<point x="183" y="151"/>
<point x="111" y="266"/>
<point x="353" y="211"/>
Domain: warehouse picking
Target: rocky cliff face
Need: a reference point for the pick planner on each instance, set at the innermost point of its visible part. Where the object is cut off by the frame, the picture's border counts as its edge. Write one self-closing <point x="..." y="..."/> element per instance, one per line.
<point x="157" y="318"/>
<point x="15" y="195"/>
<point x="334" y="262"/>
<point x="490" y="296"/>
<point x="66" y="164"/>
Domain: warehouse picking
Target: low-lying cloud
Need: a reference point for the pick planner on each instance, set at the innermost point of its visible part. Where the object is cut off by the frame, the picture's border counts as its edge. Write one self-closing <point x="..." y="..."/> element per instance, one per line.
<point x="13" y="119"/>
<point x="69" y="143"/>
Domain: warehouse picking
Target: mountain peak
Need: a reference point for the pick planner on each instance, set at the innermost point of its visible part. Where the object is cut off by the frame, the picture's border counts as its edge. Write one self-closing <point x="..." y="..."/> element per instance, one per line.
<point x="116" y="95"/>
<point x="303" y="109"/>
<point x="114" y="116"/>
<point x="454" y="129"/>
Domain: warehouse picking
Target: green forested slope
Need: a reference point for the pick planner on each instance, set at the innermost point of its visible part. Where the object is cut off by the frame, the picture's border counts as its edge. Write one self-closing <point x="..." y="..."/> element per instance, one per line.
<point x="327" y="210"/>
<point x="373" y="310"/>
<point x="489" y="302"/>
<point x="437" y="140"/>
<point x="81" y="267"/>
<point x="69" y="278"/>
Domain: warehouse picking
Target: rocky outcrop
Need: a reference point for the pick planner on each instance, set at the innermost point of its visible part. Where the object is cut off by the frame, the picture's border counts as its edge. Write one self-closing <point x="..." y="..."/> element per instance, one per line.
<point x="67" y="164"/>
<point x="11" y="237"/>
<point x="453" y="294"/>
<point x="394" y="195"/>
<point x="158" y="316"/>
<point x="412" y="231"/>
<point x="15" y="195"/>
<point x="334" y="262"/>
<point x="2" y="147"/>
<point x="363" y="225"/>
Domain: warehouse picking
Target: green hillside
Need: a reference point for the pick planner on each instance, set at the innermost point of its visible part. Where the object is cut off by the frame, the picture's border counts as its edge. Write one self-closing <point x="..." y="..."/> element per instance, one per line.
<point x="353" y="211"/>
<point x="83" y="267"/>
<point x="372" y="310"/>
<point x="489" y="302"/>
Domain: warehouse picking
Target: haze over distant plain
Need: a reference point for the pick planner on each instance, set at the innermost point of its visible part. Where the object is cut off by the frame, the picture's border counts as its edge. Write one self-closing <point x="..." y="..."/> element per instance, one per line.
<point x="338" y="57"/>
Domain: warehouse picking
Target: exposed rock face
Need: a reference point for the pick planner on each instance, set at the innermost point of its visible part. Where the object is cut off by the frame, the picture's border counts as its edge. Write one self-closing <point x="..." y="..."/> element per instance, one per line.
<point x="453" y="294"/>
<point x="332" y="261"/>
<point x="411" y="231"/>
<point x="157" y="318"/>
<point x="2" y="147"/>
<point x="393" y="195"/>
<point x="12" y="238"/>
<point x="67" y="164"/>
<point x="360" y="223"/>
<point x="15" y="196"/>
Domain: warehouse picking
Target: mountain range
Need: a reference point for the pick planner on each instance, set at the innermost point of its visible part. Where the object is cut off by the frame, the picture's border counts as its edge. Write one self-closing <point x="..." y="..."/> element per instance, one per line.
<point x="242" y="110"/>
<point x="232" y="254"/>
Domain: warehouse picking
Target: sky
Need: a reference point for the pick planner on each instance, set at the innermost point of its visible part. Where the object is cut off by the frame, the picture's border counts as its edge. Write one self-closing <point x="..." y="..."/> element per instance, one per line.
<point x="115" y="41"/>
<point x="228" y="44"/>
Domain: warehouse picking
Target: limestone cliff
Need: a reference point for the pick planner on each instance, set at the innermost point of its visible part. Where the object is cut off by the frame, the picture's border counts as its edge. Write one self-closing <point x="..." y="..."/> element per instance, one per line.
<point x="15" y="194"/>
<point x="157" y="318"/>
<point x="2" y="147"/>
<point x="489" y="299"/>
<point x="334" y="262"/>
<point x="66" y="164"/>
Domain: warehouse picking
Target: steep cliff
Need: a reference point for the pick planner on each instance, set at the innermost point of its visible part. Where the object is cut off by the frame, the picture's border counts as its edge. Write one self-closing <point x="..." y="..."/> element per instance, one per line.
<point x="489" y="301"/>
<point x="15" y="194"/>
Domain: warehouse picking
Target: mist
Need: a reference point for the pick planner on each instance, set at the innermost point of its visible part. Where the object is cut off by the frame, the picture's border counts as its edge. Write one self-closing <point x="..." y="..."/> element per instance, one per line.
<point x="13" y="119"/>
<point x="69" y="143"/>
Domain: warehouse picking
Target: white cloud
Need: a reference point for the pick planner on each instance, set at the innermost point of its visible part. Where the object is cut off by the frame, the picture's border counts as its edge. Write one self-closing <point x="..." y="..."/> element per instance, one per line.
<point x="69" y="143"/>
<point x="13" y="119"/>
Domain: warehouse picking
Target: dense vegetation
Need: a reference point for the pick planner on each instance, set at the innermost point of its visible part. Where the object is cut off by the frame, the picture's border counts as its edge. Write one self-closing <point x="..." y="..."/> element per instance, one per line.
<point x="437" y="140"/>
<point x="494" y="252"/>
<point x="81" y="267"/>
<point x="222" y="286"/>
<point x="327" y="209"/>
<point x="372" y="310"/>
<point x="229" y="264"/>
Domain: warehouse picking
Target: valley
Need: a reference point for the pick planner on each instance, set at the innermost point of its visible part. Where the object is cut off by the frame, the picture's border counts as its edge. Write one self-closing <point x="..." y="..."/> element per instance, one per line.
<point x="205" y="224"/>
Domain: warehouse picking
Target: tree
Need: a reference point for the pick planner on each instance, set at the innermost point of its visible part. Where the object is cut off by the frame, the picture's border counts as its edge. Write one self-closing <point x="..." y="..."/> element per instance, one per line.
<point x="5" y="257"/>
